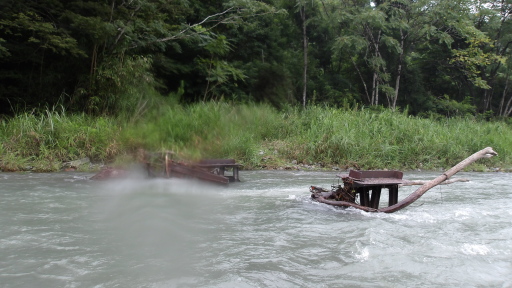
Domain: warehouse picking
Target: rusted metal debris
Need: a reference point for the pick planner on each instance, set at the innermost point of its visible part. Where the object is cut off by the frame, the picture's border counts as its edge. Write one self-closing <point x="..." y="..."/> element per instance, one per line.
<point x="357" y="185"/>
<point x="161" y="165"/>
<point x="363" y="189"/>
<point x="213" y="172"/>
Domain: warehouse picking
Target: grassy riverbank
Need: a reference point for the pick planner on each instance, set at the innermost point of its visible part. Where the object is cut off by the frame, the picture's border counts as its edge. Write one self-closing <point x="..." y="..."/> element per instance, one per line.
<point x="257" y="136"/>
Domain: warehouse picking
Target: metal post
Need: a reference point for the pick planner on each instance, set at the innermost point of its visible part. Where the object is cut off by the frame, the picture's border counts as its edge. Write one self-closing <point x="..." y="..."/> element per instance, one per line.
<point x="375" y="199"/>
<point x="364" y="196"/>
<point x="235" y="173"/>
<point x="393" y="194"/>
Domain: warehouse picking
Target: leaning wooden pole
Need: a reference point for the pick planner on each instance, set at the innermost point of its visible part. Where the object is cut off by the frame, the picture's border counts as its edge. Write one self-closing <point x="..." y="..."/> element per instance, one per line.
<point x="484" y="153"/>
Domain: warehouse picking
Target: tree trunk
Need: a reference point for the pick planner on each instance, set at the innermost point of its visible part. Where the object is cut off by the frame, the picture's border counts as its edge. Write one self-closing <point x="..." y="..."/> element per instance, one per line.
<point x="374" y="89"/>
<point x="362" y="80"/>
<point x="399" y="70"/>
<point x="508" y="108"/>
<point x="503" y="96"/>
<point x="377" y="94"/>
<point x="376" y="77"/>
<point x="305" y="44"/>
<point x="487" y="99"/>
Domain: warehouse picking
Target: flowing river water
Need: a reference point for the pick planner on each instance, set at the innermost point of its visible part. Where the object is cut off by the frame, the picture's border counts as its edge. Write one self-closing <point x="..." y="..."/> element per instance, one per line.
<point x="63" y="230"/>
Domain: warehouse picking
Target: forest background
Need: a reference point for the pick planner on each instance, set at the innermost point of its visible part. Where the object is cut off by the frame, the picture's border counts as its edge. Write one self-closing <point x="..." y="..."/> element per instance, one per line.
<point x="277" y="83"/>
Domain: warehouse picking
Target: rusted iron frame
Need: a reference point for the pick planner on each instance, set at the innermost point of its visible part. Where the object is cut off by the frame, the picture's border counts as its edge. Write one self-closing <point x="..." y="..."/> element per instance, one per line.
<point x="372" y="199"/>
<point x="222" y="169"/>
<point x="184" y="171"/>
<point x="199" y="170"/>
<point x="487" y="152"/>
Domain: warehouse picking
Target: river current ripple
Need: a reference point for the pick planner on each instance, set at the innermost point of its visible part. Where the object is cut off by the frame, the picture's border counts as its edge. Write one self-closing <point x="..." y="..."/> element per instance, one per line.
<point x="63" y="230"/>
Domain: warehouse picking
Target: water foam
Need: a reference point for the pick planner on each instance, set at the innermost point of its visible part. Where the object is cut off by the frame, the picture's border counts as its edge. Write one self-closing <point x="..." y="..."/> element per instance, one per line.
<point x="475" y="249"/>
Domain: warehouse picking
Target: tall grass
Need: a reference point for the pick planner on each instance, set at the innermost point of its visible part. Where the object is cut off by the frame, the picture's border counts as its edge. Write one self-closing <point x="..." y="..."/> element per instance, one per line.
<point x="206" y="130"/>
<point x="44" y="140"/>
<point x="256" y="136"/>
<point x="391" y="140"/>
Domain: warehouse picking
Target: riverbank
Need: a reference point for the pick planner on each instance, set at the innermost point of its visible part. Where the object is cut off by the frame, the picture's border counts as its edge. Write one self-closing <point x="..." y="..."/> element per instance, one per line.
<point x="257" y="136"/>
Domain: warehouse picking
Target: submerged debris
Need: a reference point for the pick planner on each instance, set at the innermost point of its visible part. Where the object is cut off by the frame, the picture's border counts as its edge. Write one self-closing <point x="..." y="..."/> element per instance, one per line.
<point x="161" y="165"/>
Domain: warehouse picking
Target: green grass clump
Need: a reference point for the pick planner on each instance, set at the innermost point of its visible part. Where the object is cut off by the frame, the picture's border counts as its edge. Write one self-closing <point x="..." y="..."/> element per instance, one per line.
<point x="42" y="141"/>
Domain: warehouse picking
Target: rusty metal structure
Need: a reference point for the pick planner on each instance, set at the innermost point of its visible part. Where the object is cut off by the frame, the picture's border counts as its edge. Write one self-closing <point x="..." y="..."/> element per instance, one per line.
<point x="161" y="165"/>
<point x="210" y="170"/>
<point x="363" y="188"/>
<point x="357" y="186"/>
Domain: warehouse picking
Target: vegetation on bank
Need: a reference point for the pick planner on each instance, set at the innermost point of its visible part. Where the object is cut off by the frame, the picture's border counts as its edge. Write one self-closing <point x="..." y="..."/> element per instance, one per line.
<point x="177" y="75"/>
<point x="258" y="136"/>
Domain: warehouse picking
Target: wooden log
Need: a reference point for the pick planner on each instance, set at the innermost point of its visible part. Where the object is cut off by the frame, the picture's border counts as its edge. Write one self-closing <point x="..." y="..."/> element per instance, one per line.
<point x="421" y="182"/>
<point x="321" y="199"/>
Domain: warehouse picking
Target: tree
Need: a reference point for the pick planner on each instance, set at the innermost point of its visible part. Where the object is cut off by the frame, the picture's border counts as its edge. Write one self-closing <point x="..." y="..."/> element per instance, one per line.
<point x="99" y="35"/>
<point x="302" y="10"/>
<point x="32" y="46"/>
<point x="494" y="19"/>
<point x="362" y="37"/>
<point x="218" y="71"/>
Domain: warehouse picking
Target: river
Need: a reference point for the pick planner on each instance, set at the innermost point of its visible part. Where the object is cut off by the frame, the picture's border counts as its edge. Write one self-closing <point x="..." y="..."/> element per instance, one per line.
<point x="63" y="230"/>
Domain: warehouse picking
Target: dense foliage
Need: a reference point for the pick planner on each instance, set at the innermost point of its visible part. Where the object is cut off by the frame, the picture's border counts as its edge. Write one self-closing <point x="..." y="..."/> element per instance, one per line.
<point x="115" y="56"/>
